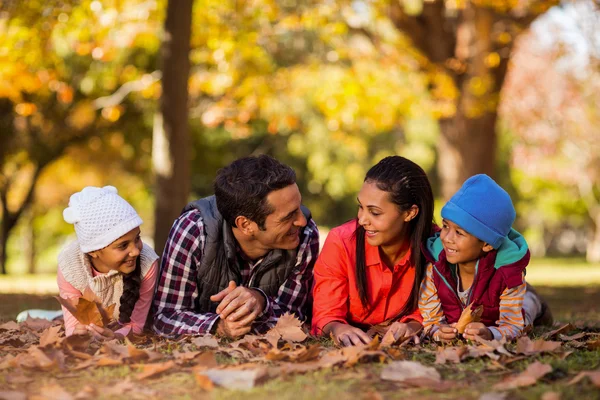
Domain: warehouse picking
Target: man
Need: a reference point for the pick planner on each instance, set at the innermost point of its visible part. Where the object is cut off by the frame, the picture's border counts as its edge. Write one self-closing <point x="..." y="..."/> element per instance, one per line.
<point x="236" y="261"/>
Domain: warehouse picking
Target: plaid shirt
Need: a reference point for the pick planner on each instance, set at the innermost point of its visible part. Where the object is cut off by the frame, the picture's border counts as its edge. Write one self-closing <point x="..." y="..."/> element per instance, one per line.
<point x="176" y="292"/>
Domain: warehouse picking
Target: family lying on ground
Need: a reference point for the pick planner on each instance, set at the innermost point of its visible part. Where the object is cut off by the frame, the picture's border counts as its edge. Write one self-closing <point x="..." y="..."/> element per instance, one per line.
<point x="237" y="261"/>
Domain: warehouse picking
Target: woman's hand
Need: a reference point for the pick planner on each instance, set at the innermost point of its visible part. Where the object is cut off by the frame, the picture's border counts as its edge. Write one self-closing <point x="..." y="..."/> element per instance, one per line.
<point x="409" y="329"/>
<point x="80" y="329"/>
<point x="477" y="329"/>
<point x="346" y="334"/>
<point x="445" y="333"/>
<point x="100" y="333"/>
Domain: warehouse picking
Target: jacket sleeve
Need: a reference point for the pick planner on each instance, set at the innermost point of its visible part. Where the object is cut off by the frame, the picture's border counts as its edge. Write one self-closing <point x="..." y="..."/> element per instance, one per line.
<point x="330" y="293"/>
<point x="430" y="305"/>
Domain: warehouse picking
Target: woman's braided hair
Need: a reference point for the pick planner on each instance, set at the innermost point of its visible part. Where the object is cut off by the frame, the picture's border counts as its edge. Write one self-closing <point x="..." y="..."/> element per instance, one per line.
<point x="131" y="292"/>
<point x="407" y="185"/>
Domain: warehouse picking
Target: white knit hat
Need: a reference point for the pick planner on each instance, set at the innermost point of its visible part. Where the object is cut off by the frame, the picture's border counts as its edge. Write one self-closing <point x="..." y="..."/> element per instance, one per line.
<point x="100" y="217"/>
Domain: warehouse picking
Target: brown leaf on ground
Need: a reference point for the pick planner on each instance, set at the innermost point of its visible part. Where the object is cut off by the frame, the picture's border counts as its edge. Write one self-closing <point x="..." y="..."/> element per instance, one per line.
<point x="87" y="392"/>
<point x="467" y="316"/>
<point x="288" y="328"/>
<point x="236" y="379"/>
<point x="78" y="342"/>
<point x="206" y="341"/>
<point x="50" y="336"/>
<point x="149" y="370"/>
<point x="550" y="396"/>
<point x="134" y="354"/>
<point x="10" y="326"/>
<point x="402" y="371"/>
<point x="300" y="355"/>
<point x="108" y="362"/>
<point x="593" y="344"/>
<point x="204" y="382"/>
<point x="37" y="324"/>
<point x="594" y="377"/>
<point x="12" y="395"/>
<point x="52" y="391"/>
<point x="204" y="360"/>
<point x="527" y="346"/>
<point x="493" y="396"/>
<point x="7" y="361"/>
<point x="528" y="377"/>
<point x="17" y="379"/>
<point x="576" y="344"/>
<point x="451" y="354"/>
<point x="576" y="336"/>
<point x="563" y="329"/>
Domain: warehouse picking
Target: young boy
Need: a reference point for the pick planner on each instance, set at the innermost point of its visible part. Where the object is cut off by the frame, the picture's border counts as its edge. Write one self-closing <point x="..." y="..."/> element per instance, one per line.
<point x="478" y="259"/>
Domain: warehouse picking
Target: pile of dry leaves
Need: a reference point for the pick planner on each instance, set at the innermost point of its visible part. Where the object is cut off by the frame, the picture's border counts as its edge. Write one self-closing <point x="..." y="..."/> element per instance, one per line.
<point x="40" y="345"/>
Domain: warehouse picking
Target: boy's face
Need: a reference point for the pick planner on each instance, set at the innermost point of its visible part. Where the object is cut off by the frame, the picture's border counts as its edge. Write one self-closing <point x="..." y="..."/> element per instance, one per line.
<point x="461" y="247"/>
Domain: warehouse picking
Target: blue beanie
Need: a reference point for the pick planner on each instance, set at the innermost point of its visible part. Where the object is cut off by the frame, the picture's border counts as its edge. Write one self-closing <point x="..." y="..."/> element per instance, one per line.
<point x="482" y="208"/>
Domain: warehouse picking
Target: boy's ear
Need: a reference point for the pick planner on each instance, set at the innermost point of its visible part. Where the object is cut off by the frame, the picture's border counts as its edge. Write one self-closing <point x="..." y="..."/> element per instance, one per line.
<point x="411" y="213"/>
<point x="245" y="225"/>
<point x="487" y="247"/>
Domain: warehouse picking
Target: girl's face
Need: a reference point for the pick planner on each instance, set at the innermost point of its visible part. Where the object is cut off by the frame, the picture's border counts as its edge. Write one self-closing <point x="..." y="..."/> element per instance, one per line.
<point x="120" y="255"/>
<point x="384" y="223"/>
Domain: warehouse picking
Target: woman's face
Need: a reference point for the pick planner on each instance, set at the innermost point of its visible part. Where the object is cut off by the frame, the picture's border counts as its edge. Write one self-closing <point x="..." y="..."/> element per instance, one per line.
<point x="120" y="255"/>
<point x="383" y="222"/>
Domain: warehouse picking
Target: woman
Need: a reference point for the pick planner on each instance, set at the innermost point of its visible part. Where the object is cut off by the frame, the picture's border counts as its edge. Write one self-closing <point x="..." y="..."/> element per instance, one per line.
<point x="370" y="269"/>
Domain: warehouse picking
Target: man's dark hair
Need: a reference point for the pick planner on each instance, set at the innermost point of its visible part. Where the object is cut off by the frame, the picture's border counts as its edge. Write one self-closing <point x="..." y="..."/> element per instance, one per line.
<point x="241" y="188"/>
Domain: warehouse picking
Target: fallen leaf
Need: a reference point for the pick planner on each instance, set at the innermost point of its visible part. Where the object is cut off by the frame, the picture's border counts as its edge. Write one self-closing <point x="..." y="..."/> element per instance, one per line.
<point x="10" y="326"/>
<point x="288" y="328"/>
<point x="594" y="377"/>
<point x="12" y="395"/>
<point x="236" y="379"/>
<point x="493" y="396"/>
<point x="52" y="391"/>
<point x="300" y="355"/>
<point x="527" y="346"/>
<point x="528" y="377"/>
<point x="593" y="344"/>
<point x="18" y="379"/>
<point x="401" y="371"/>
<point x="50" y="336"/>
<point x="87" y="392"/>
<point x="467" y="316"/>
<point x="550" y="396"/>
<point x="204" y="382"/>
<point x="149" y="370"/>
<point x="37" y="324"/>
<point x="563" y="329"/>
<point x="451" y="354"/>
<point x="576" y="336"/>
<point x="206" y="341"/>
<point x="576" y="344"/>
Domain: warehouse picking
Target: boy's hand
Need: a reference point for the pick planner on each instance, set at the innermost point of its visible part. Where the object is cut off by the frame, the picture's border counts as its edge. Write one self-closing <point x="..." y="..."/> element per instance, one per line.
<point x="100" y="333"/>
<point x="477" y="329"/>
<point x="445" y="333"/>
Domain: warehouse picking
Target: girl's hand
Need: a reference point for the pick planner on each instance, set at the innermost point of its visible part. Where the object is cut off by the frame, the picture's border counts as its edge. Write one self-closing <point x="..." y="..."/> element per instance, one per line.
<point x="346" y="334"/>
<point x="445" y="333"/>
<point x="102" y="334"/>
<point x="410" y="329"/>
<point x="477" y="329"/>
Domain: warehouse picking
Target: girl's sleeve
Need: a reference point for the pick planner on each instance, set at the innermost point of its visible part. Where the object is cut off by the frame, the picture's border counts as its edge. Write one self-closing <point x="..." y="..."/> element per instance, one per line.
<point x="330" y="292"/>
<point x="142" y="306"/>
<point x="511" y="322"/>
<point x="67" y="291"/>
<point x="429" y="304"/>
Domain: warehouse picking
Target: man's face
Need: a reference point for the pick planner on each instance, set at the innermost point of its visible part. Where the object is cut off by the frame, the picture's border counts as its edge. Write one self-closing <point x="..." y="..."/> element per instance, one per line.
<point x="283" y="225"/>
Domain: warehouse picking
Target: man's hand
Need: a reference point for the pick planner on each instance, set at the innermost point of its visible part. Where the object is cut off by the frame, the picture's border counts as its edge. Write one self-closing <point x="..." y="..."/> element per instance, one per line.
<point x="446" y="333"/>
<point x="346" y="334"/>
<point x="409" y="329"/>
<point x="232" y="329"/>
<point x="239" y="304"/>
<point x="477" y="329"/>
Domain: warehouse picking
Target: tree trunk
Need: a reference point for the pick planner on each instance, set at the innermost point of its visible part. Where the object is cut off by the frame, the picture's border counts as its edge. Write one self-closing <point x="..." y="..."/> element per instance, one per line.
<point x="6" y="225"/>
<point x="29" y="244"/>
<point x="592" y="253"/>
<point x="171" y="141"/>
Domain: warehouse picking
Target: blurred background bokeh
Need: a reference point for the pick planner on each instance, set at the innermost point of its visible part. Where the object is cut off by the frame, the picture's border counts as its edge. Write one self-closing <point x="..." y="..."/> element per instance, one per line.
<point x="153" y="96"/>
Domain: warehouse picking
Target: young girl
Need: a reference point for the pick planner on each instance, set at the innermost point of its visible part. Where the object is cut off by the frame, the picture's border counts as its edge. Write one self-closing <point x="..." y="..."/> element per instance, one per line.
<point x="370" y="269"/>
<point x="109" y="258"/>
<point x="478" y="259"/>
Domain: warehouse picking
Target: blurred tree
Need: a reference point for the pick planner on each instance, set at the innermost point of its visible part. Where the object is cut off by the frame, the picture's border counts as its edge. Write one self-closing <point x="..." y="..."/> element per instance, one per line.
<point x="557" y="125"/>
<point x="468" y="45"/>
<point x="171" y="147"/>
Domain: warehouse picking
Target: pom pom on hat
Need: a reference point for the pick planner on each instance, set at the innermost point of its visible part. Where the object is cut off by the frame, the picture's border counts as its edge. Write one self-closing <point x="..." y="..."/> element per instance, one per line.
<point x="100" y="217"/>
